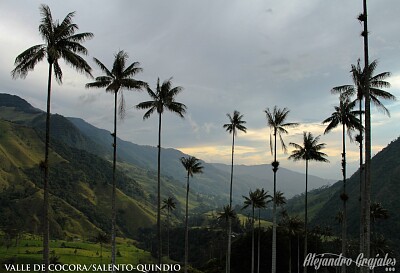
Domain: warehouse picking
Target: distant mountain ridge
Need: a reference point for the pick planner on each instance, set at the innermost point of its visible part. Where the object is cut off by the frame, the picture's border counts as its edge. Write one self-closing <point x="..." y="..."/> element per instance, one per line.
<point x="79" y="134"/>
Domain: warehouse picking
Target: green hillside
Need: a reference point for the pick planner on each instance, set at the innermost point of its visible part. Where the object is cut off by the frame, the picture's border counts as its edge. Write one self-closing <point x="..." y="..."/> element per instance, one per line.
<point x="325" y="203"/>
<point x="79" y="187"/>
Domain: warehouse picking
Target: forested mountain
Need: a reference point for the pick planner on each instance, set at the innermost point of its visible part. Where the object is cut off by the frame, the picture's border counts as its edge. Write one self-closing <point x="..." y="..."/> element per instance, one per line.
<point x="80" y="175"/>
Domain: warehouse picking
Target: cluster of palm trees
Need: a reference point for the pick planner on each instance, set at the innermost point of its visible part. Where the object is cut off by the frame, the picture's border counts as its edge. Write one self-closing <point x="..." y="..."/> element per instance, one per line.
<point x="62" y="42"/>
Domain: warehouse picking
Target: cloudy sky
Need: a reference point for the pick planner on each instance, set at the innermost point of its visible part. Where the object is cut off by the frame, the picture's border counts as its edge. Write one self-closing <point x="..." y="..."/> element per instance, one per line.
<point x="227" y="55"/>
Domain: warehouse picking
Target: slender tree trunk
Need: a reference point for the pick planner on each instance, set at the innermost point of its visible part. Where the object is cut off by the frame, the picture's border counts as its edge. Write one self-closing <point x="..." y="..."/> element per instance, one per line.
<point x="46" y="226"/>
<point x="298" y="253"/>
<point x="290" y="253"/>
<point x="101" y="253"/>
<point x="228" y="262"/>
<point x="159" y="252"/>
<point x="344" y="223"/>
<point x="305" y="218"/>
<point x="252" y="243"/>
<point x="367" y="189"/>
<point x="113" y="208"/>
<point x="228" y="255"/>
<point x="259" y="242"/>
<point x="362" y="186"/>
<point x="187" y="225"/>
<point x="233" y="148"/>
<point x="168" y="233"/>
<point x="275" y="169"/>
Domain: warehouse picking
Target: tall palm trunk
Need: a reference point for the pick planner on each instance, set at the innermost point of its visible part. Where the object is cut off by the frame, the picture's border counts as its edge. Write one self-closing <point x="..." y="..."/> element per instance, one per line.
<point x="168" y="233"/>
<point x="290" y="253"/>
<point x="367" y="189"/>
<point x="259" y="243"/>
<point x="113" y="208"/>
<point x="187" y="225"/>
<point x="252" y="243"/>
<point x="228" y="263"/>
<point x="233" y="148"/>
<point x="362" y="186"/>
<point x="344" y="196"/>
<point x="275" y="169"/>
<point x="159" y="253"/>
<point x="305" y="218"/>
<point x="46" y="227"/>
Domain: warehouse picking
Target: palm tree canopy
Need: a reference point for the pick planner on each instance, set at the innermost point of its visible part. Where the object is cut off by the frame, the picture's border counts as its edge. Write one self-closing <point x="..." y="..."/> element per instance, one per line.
<point x="192" y="165"/>
<point x="377" y="211"/>
<point x="235" y="123"/>
<point x="60" y="41"/>
<point x="169" y="204"/>
<point x="344" y="115"/>
<point x="280" y="199"/>
<point x="310" y="149"/>
<point x="364" y="79"/>
<point x="227" y="213"/>
<point x="163" y="98"/>
<point x="293" y="225"/>
<point x="120" y="77"/>
<point x="257" y="199"/>
<point x="276" y="120"/>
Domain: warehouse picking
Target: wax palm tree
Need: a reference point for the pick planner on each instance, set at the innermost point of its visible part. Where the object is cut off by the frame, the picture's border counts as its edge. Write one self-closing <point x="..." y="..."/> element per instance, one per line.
<point x="163" y="98"/>
<point x="102" y="238"/>
<point x="310" y="151"/>
<point x="227" y="214"/>
<point x="192" y="166"/>
<point x="377" y="211"/>
<point x="114" y="81"/>
<point x="236" y="123"/>
<point x="292" y="226"/>
<point x="347" y="117"/>
<point x="366" y="84"/>
<point x="170" y="205"/>
<point x="60" y="42"/>
<point x="256" y="199"/>
<point x="268" y="199"/>
<point x="276" y="120"/>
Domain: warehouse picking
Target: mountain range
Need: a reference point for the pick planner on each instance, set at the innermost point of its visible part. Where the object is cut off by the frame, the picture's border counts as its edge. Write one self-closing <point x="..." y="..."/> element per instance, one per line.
<point x="80" y="175"/>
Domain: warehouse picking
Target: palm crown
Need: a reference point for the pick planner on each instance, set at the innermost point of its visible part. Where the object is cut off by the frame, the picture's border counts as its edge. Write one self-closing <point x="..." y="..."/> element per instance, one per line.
<point x="257" y="199"/>
<point x="344" y="115"/>
<point x="163" y="99"/>
<point x="310" y="149"/>
<point x="118" y="78"/>
<point x="236" y="123"/>
<point x="365" y="80"/>
<point x="192" y="165"/>
<point x="276" y="120"/>
<point x="61" y="41"/>
<point x="169" y="204"/>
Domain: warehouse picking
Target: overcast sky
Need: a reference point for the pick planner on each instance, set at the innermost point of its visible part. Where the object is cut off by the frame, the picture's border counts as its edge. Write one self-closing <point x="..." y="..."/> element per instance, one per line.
<point x="227" y="55"/>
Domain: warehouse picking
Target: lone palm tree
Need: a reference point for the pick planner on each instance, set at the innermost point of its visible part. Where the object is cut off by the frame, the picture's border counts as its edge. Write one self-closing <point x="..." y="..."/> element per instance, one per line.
<point x="192" y="166"/>
<point x="276" y="120"/>
<point x="256" y="199"/>
<point x="114" y="81"/>
<point x="102" y="238"/>
<point x="345" y="116"/>
<point x="60" y="42"/>
<point x="310" y="151"/>
<point x="235" y="123"/>
<point x="170" y="205"/>
<point x="162" y="99"/>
